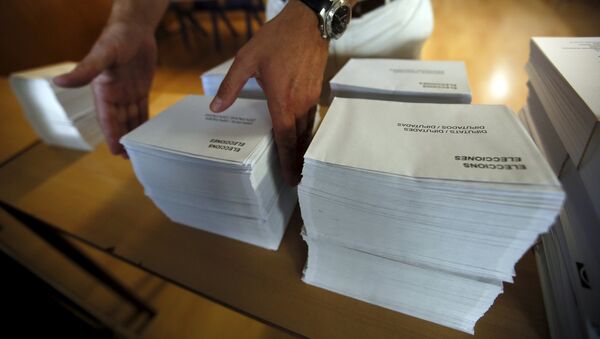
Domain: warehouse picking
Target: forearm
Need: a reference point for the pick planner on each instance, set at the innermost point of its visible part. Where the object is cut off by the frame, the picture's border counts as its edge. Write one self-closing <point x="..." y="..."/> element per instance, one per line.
<point x="142" y="12"/>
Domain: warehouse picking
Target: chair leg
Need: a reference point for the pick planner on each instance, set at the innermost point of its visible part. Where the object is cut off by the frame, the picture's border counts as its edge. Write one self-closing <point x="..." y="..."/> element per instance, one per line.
<point x="227" y="22"/>
<point x="248" y="25"/>
<point x="215" y="27"/>
<point x="195" y="24"/>
<point x="183" y="30"/>
<point x="256" y="16"/>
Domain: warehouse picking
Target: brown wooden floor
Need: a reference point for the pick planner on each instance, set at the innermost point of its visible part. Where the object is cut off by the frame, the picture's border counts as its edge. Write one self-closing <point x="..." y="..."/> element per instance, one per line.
<point x="492" y="37"/>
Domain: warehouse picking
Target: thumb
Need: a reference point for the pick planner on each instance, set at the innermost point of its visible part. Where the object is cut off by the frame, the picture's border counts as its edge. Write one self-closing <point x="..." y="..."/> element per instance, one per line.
<point x="232" y="84"/>
<point x="97" y="60"/>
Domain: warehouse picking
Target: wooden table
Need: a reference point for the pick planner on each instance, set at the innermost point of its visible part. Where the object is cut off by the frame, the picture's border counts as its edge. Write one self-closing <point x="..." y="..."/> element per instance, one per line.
<point x="15" y="133"/>
<point x="95" y="197"/>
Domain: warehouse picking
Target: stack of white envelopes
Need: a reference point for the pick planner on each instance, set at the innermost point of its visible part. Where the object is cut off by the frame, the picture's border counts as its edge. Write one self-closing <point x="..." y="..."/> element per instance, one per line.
<point x="216" y="172"/>
<point x="423" y="208"/>
<point x="61" y="116"/>
<point x="403" y="80"/>
<point x="211" y="80"/>
<point x="563" y="113"/>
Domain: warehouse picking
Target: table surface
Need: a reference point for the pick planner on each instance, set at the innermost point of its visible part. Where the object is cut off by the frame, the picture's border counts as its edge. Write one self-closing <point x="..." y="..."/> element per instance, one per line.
<point x="15" y="133"/>
<point x="95" y="197"/>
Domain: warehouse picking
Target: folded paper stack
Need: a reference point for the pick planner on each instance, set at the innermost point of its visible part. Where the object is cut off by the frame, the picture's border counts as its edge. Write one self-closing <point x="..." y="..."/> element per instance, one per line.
<point x="63" y="117"/>
<point x="403" y="80"/>
<point x="216" y="172"/>
<point x="423" y="208"/>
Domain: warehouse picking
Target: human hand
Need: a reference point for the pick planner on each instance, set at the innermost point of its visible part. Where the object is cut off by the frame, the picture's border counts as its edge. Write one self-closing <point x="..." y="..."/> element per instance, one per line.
<point x="120" y="66"/>
<point x="287" y="56"/>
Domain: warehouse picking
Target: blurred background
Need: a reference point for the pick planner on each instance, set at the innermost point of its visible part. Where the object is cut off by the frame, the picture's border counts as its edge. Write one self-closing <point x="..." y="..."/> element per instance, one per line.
<point x="492" y="37"/>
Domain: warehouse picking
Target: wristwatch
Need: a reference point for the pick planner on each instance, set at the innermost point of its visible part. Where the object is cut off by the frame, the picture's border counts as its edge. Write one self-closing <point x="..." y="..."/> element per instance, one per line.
<point x="334" y="16"/>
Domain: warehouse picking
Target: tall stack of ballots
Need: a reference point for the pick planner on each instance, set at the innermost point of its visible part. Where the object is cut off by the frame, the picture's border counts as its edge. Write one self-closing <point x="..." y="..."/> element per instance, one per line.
<point x="423" y="208"/>
<point x="215" y="172"/>
<point x="563" y="116"/>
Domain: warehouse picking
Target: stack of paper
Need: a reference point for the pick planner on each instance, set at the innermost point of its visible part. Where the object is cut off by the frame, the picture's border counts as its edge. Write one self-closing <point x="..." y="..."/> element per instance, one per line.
<point x="568" y="258"/>
<point x="211" y="80"/>
<point x="563" y="111"/>
<point x="561" y="71"/>
<point x="60" y="116"/>
<point x="403" y="80"/>
<point x="553" y="259"/>
<point x="541" y="128"/>
<point x="215" y="172"/>
<point x="560" y="260"/>
<point x="423" y="208"/>
<point x="564" y="320"/>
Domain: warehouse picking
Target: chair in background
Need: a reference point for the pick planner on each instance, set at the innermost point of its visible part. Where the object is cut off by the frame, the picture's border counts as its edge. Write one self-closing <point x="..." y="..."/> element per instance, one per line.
<point x="185" y="11"/>
<point x="251" y="9"/>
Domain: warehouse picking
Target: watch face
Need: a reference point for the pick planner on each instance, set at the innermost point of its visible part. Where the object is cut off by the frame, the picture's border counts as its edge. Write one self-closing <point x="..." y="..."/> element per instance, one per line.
<point x="340" y="20"/>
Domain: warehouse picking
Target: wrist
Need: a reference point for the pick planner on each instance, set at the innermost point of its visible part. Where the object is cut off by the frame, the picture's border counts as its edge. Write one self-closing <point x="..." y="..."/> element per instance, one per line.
<point x="145" y="14"/>
<point x="300" y="12"/>
<point x="333" y="16"/>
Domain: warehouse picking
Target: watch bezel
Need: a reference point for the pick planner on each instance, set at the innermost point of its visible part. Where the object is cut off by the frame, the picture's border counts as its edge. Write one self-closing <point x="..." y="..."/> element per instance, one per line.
<point x="327" y="18"/>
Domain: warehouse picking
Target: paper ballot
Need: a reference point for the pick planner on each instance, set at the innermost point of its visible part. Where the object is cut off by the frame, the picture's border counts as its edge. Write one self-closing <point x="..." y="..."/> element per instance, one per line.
<point x="403" y="80"/>
<point x="455" y="190"/>
<point x="561" y="70"/>
<point x="451" y="300"/>
<point x="215" y="172"/>
<point x="567" y="56"/>
<point x="211" y="80"/>
<point x="563" y="110"/>
<point x="61" y="116"/>
<point x="464" y="142"/>
<point x="190" y="129"/>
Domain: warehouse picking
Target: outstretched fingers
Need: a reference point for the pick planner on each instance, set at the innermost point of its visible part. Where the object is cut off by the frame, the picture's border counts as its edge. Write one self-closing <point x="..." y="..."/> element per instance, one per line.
<point x="98" y="59"/>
